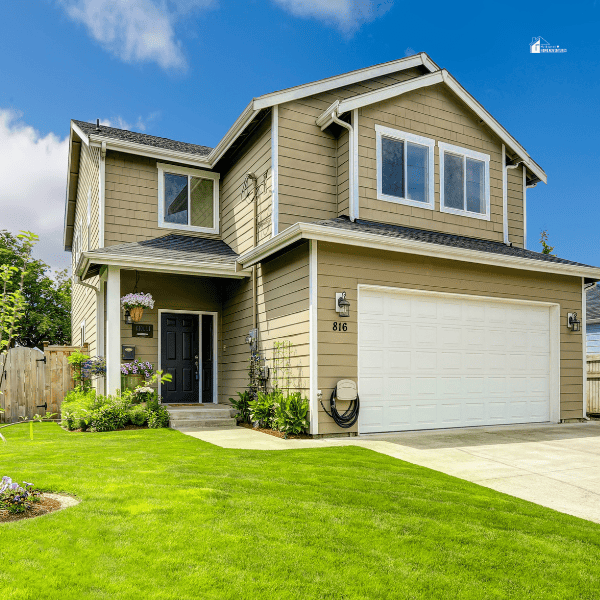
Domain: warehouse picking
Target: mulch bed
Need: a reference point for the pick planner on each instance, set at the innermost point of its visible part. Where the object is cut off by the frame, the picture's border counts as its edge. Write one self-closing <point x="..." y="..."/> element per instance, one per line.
<point x="126" y="428"/>
<point x="44" y="506"/>
<point x="279" y="434"/>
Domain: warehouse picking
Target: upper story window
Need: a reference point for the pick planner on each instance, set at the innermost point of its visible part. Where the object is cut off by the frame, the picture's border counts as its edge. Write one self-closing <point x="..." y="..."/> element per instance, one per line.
<point x="464" y="182"/>
<point x="188" y="199"/>
<point x="404" y="167"/>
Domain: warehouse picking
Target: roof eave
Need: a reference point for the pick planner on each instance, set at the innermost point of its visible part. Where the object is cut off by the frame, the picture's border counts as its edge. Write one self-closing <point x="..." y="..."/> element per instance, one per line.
<point x="314" y="231"/>
<point x="179" y="267"/>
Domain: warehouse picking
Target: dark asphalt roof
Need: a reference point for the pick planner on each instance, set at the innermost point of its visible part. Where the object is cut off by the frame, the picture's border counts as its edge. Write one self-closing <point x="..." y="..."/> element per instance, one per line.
<point x="444" y="239"/>
<point x="142" y="138"/>
<point x="592" y="303"/>
<point x="174" y="247"/>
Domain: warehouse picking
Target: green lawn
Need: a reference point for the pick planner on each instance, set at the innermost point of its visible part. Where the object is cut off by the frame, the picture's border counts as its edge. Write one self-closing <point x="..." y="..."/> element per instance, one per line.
<point x="167" y="516"/>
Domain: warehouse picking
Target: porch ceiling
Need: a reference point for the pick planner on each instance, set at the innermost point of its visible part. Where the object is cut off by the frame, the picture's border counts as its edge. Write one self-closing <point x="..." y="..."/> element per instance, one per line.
<point x="170" y="254"/>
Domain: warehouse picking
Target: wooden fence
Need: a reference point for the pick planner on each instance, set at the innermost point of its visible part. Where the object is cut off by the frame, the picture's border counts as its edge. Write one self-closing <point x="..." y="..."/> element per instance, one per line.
<point x="593" y="384"/>
<point x="36" y="382"/>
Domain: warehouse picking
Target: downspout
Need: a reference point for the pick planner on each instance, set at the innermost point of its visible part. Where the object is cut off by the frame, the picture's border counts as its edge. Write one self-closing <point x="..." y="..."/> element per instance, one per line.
<point x="87" y="285"/>
<point x="351" y="190"/>
<point x="102" y="195"/>
<point x="505" y="169"/>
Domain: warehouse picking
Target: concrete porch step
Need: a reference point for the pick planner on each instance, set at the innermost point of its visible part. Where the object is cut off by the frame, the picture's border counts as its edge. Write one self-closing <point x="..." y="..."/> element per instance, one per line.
<point x="204" y="424"/>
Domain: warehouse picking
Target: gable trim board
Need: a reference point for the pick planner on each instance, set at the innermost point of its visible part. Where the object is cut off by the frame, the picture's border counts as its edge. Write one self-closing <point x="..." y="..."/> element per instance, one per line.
<point x="315" y="231"/>
<point x="349" y="104"/>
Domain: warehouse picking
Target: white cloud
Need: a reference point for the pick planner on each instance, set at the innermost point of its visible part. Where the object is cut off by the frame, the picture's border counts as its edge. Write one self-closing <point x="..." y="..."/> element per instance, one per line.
<point x="347" y="15"/>
<point x="140" y="125"/>
<point x="33" y="175"/>
<point x="136" y="31"/>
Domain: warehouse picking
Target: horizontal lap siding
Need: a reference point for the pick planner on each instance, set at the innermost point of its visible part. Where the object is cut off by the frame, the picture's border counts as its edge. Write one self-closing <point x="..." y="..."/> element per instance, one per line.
<point x="308" y="156"/>
<point x="434" y="113"/>
<point x="282" y="316"/>
<point x="236" y="210"/>
<point x="83" y="303"/>
<point x="131" y="199"/>
<point x="170" y="292"/>
<point x="514" y="197"/>
<point x="343" y="268"/>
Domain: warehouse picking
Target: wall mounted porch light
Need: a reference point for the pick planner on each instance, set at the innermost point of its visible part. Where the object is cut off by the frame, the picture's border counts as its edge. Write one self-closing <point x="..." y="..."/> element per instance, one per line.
<point x="127" y="317"/>
<point x="573" y="323"/>
<point x="342" y="306"/>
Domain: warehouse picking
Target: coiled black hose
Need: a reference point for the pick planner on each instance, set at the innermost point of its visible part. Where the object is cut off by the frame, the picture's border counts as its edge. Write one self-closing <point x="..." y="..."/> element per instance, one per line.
<point x="348" y="417"/>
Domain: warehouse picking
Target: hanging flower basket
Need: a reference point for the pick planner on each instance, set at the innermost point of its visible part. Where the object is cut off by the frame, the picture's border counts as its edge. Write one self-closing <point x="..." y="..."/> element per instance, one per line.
<point x="135" y="304"/>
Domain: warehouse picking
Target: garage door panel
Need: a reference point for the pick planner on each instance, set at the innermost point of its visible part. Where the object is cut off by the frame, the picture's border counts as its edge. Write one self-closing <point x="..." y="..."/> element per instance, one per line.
<point x="427" y="362"/>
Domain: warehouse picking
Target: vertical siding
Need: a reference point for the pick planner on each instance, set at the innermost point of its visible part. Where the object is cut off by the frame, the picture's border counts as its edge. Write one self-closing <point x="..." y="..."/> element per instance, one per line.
<point x="236" y="209"/>
<point x="282" y="316"/>
<point x="345" y="267"/>
<point x="83" y="303"/>
<point x="308" y="157"/>
<point x="431" y="112"/>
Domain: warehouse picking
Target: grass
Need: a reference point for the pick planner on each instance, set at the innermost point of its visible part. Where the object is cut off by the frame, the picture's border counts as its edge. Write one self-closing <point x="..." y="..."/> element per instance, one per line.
<point x="165" y="516"/>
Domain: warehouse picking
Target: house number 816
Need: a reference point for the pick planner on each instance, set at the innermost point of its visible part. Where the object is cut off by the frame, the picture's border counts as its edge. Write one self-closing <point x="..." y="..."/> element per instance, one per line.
<point x="340" y="326"/>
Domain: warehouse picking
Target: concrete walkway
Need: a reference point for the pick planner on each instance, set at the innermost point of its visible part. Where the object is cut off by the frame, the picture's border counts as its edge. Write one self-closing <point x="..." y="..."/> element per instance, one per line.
<point x="557" y="466"/>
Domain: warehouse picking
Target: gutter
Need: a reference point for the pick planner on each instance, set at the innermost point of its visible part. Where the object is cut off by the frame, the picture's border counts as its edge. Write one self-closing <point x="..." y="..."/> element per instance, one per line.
<point x="323" y="233"/>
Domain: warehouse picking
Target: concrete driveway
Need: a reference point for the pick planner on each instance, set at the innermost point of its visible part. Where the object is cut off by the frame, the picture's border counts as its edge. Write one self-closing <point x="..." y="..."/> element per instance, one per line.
<point x="557" y="466"/>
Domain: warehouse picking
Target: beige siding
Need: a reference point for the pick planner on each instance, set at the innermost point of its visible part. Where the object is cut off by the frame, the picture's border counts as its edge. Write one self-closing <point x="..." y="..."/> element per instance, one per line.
<point x="282" y="316"/>
<point x="170" y="292"/>
<point x="236" y="207"/>
<point x="308" y="157"/>
<point x="515" y="206"/>
<point x="343" y="175"/>
<point x="431" y="112"/>
<point x="83" y="298"/>
<point x="344" y="268"/>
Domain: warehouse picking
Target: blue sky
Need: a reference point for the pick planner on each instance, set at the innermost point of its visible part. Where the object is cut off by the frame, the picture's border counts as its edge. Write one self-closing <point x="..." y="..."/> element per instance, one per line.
<point x="185" y="69"/>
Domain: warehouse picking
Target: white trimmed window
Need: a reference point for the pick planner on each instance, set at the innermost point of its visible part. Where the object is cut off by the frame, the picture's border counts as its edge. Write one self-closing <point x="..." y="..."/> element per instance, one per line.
<point x="188" y="199"/>
<point x="404" y="167"/>
<point x="464" y="182"/>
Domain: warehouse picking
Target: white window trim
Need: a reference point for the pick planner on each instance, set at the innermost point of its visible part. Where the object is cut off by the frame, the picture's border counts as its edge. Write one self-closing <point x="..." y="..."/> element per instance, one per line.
<point x="382" y="131"/>
<point x="176" y="170"/>
<point x="465" y="153"/>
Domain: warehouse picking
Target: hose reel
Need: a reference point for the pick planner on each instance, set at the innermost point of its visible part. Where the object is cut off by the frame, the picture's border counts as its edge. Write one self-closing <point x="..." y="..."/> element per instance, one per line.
<point x="345" y="390"/>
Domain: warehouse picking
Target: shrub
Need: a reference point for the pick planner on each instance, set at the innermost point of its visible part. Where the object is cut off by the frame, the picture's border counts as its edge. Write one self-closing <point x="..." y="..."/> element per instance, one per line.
<point x="241" y="404"/>
<point x="158" y="417"/>
<point x="114" y="414"/>
<point x="262" y="410"/>
<point x="290" y="414"/>
<point x="17" y="499"/>
<point x="138" y="415"/>
<point x="77" y="407"/>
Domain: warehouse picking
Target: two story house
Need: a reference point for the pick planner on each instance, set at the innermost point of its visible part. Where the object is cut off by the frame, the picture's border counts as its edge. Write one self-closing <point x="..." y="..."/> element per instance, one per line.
<point x="391" y="187"/>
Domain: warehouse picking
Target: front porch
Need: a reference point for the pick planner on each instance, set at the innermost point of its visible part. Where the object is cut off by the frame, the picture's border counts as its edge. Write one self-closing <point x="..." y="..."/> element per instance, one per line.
<point x="182" y="335"/>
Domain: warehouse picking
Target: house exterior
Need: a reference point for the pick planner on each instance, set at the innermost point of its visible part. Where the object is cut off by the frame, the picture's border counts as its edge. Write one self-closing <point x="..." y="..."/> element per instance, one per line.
<point x="391" y="184"/>
<point x="592" y="319"/>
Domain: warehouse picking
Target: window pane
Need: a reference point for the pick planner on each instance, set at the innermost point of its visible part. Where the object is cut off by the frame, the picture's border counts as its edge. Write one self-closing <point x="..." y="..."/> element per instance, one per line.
<point x="416" y="167"/>
<point x="176" y="199"/>
<point x="201" y="202"/>
<point x="392" y="167"/>
<point x="475" y="178"/>
<point x="453" y="182"/>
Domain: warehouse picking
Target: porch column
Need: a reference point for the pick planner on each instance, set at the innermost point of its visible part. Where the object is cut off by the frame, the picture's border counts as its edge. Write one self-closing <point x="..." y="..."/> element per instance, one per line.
<point x="113" y="330"/>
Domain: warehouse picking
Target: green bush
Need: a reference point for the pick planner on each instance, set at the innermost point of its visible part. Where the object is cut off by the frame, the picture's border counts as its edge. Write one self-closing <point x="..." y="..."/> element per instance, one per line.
<point x="262" y="410"/>
<point x="114" y="414"/>
<point x="158" y="417"/>
<point x="138" y="415"/>
<point x="290" y="414"/>
<point x="241" y="404"/>
<point x="77" y="408"/>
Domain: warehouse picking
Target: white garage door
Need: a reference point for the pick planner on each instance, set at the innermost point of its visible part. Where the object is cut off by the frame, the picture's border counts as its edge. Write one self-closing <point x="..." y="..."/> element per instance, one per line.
<point x="429" y="361"/>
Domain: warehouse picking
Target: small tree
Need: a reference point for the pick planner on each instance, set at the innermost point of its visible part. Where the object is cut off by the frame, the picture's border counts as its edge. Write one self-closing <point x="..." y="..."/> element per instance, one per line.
<point x="12" y="300"/>
<point x="546" y="249"/>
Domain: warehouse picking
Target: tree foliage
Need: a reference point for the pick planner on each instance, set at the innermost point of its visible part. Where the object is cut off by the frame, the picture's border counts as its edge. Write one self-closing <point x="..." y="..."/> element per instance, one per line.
<point x="546" y="249"/>
<point x="47" y="300"/>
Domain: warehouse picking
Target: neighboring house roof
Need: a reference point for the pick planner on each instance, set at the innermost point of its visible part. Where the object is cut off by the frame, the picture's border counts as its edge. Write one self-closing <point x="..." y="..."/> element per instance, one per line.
<point x="396" y="238"/>
<point x="173" y="252"/>
<point x="142" y="138"/>
<point x="592" y="304"/>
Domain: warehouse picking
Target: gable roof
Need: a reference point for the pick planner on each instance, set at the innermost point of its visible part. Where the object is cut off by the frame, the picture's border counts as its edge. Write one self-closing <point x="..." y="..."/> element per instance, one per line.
<point x="340" y="107"/>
